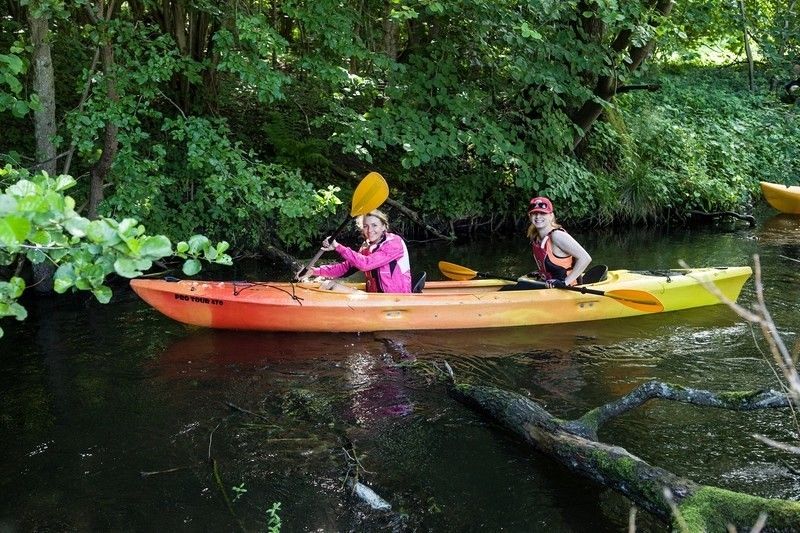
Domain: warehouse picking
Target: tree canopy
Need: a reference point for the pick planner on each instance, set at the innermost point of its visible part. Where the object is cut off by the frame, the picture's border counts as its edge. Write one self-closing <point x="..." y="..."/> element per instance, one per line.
<point x="244" y="120"/>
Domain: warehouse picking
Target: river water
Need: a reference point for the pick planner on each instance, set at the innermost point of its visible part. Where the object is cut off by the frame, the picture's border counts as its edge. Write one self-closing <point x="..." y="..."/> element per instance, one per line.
<point x="116" y="418"/>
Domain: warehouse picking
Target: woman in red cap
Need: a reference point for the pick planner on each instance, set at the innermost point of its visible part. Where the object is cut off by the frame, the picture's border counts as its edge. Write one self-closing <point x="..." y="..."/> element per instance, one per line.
<point x="561" y="260"/>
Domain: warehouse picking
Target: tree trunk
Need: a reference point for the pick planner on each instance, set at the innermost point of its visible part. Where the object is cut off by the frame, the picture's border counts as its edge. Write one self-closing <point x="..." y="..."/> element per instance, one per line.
<point x="44" y="87"/>
<point x="606" y="86"/>
<point x="574" y="444"/>
<point x="748" y="52"/>
<point x="390" y="32"/>
<point x="102" y="168"/>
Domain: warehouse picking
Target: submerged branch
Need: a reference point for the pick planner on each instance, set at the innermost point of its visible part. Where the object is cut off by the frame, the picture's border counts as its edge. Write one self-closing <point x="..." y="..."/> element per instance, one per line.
<point x="700" y="507"/>
<point x="750" y="219"/>
<point x="736" y="401"/>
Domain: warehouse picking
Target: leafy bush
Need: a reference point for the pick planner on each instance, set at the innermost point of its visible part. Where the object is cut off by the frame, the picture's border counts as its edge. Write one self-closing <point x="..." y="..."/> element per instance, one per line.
<point x="703" y="142"/>
<point x="38" y="221"/>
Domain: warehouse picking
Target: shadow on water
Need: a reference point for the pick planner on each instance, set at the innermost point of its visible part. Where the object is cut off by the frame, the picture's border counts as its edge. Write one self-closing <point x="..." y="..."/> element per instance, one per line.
<point x="93" y="395"/>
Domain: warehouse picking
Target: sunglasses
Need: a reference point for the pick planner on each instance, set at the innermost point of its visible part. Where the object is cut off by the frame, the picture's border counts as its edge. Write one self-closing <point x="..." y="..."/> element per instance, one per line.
<point x="539" y="205"/>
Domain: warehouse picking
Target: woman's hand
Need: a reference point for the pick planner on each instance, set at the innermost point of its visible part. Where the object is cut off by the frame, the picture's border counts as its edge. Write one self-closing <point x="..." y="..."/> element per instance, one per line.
<point x="329" y="245"/>
<point x="306" y="276"/>
<point x="556" y="283"/>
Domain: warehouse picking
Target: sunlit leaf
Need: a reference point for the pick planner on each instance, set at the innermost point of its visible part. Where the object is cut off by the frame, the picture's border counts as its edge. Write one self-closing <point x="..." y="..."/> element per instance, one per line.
<point x="14" y="229"/>
<point x="156" y="247"/>
<point x="191" y="267"/>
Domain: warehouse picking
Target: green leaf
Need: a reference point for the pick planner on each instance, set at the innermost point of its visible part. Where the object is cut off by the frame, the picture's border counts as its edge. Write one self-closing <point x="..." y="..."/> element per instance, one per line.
<point x="13" y="309"/>
<point x="64" y="278"/>
<point x="156" y="247"/>
<point x="103" y="294"/>
<point x="127" y="268"/>
<point x="22" y="188"/>
<point x="14" y="230"/>
<point x="41" y="238"/>
<point x="64" y="182"/>
<point x="191" y="267"/>
<point x="198" y="243"/>
<point x="77" y="226"/>
<point x="128" y="226"/>
<point x="20" y="108"/>
<point x="8" y="204"/>
<point x="16" y="286"/>
<point x="101" y="232"/>
<point x="182" y="247"/>
<point x="14" y="63"/>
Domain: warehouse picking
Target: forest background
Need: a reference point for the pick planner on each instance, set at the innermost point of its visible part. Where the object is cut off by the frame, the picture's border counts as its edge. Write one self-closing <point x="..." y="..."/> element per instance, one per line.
<point x="251" y="121"/>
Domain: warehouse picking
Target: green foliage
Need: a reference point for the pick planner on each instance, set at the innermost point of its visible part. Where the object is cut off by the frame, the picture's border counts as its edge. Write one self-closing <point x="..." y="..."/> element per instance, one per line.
<point x="466" y="107"/>
<point x="13" y="67"/>
<point x="187" y="175"/>
<point x="698" y="144"/>
<point x="239" y="491"/>
<point x="273" y="518"/>
<point x="698" y="27"/>
<point x="199" y="180"/>
<point x="496" y="85"/>
<point x="38" y="221"/>
<point x="247" y="53"/>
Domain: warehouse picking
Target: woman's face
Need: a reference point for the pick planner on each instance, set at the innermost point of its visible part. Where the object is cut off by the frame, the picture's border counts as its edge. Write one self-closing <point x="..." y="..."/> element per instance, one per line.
<point x="374" y="228"/>
<point x="542" y="220"/>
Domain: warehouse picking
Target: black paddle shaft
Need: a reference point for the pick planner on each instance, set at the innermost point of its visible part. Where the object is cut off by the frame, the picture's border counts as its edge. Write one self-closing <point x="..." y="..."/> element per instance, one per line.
<point x="333" y="235"/>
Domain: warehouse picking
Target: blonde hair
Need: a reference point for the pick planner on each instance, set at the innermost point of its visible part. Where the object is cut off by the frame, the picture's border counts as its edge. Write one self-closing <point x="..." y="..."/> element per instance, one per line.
<point x="533" y="234"/>
<point x="380" y="215"/>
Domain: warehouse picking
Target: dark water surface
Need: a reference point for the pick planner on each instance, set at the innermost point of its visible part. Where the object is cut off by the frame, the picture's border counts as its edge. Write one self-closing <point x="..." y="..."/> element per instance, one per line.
<point x="93" y="396"/>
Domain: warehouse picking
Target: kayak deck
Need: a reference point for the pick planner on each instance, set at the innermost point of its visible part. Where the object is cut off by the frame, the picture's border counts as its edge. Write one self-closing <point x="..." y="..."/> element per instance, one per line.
<point x="283" y="306"/>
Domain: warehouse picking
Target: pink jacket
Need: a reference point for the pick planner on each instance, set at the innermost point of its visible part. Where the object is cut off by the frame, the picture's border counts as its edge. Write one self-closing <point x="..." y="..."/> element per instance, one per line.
<point x="387" y="261"/>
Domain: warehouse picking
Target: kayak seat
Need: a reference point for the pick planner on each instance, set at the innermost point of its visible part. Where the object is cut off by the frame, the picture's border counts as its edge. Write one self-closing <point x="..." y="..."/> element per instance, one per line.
<point x="595" y="274"/>
<point x="420" y="282"/>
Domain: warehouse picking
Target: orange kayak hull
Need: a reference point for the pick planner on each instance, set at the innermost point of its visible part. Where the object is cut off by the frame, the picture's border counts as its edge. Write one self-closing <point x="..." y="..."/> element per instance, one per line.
<point x="303" y="307"/>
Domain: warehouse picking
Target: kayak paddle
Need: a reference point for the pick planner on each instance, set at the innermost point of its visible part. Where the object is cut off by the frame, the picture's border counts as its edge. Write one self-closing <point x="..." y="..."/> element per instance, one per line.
<point x="370" y="194"/>
<point x="639" y="300"/>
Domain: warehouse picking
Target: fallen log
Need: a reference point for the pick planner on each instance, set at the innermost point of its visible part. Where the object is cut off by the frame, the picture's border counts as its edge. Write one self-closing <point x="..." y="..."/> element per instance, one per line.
<point x="689" y="506"/>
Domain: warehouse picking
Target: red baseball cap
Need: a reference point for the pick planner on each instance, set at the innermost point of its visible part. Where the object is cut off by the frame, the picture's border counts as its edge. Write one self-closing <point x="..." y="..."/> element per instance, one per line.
<point x="540" y="204"/>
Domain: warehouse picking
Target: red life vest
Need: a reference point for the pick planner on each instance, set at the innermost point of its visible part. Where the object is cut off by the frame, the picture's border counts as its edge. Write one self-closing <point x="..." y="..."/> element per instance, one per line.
<point x="550" y="265"/>
<point x="372" y="282"/>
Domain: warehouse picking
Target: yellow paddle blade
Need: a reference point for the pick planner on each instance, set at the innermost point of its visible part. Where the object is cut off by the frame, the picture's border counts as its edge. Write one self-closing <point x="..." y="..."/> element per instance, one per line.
<point x="456" y="272"/>
<point x="370" y="194"/>
<point x="639" y="300"/>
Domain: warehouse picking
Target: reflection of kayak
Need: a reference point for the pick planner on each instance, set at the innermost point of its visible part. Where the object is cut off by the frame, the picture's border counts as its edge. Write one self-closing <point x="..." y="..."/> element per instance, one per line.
<point x="780" y="229"/>
<point x="281" y="306"/>
<point x="784" y="198"/>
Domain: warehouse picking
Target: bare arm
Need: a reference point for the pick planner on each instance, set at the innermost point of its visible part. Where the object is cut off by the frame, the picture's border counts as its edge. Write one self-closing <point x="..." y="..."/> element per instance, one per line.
<point x="564" y="244"/>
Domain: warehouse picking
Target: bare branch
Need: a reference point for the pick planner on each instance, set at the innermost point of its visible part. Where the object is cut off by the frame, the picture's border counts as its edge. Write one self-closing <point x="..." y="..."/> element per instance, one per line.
<point x="735" y="401"/>
<point x="780" y="445"/>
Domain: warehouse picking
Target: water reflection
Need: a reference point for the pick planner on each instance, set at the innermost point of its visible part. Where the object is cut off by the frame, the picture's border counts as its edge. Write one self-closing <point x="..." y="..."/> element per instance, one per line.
<point x="204" y="352"/>
<point x="779" y="230"/>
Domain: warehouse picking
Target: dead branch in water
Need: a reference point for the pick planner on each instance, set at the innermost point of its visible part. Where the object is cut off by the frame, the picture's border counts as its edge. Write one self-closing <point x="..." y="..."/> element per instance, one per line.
<point x="573" y="444"/>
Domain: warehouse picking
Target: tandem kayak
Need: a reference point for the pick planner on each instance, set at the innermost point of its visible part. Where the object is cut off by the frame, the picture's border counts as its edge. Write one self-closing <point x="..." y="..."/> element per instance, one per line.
<point x="304" y="307"/>
<point x="784" y="198"/>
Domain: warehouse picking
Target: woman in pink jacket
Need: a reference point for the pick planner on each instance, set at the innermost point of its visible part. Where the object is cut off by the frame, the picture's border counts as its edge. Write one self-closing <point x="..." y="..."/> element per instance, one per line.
<point x="383" y="258"/>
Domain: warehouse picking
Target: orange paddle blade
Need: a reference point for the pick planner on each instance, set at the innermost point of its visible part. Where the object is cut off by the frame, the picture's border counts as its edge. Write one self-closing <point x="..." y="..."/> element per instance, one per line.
<point x="456" y="272"/>
<point x="639" y="300"/>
